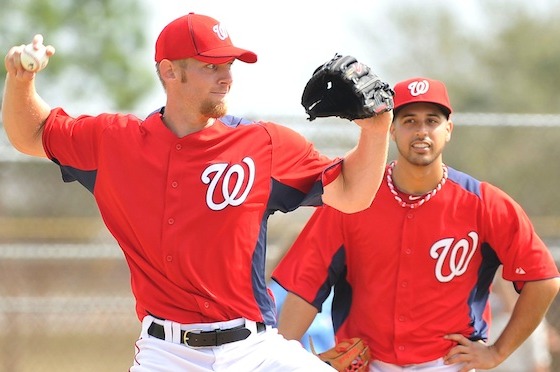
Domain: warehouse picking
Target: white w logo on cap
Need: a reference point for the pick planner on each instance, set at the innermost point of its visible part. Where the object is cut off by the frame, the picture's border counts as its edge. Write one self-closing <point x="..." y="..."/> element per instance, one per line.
<point x="220" y="31"/>
<point x="418" y="87"/>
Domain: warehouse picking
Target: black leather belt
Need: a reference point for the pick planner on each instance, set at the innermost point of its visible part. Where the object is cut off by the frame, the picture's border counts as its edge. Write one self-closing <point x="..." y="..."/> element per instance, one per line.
<point x="195" y="338"/>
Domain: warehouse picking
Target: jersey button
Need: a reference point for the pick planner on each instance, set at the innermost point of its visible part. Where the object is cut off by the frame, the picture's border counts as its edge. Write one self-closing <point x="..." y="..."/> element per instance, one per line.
<point x="171" y="221"/>
<point x="169" y="258"/>
<point x="174" y="184"/>
<point x="401" y="348"/>
<point x="206" y="305"/>
<point x="410" y="216"/>
<point x="408" y="251"/>
<point x="178" y="146"/>
<point x="404" y="284"/>
<point x="402" y="318"/>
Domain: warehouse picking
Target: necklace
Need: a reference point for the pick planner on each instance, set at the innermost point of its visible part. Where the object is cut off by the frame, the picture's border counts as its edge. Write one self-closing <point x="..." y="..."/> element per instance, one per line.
<point x="426" y="197"/>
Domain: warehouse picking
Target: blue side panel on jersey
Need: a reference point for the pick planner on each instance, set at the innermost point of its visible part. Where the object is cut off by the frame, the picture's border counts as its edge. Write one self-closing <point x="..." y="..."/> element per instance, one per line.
<point x="466" y="181"/>
<point x="342" y="298"/>
<point x="480" y="293"/>
<point x="478" y="297"/>
<point x="70" y="174"/>
<point x="286" y="199"/>
<point x="265" y="302"/>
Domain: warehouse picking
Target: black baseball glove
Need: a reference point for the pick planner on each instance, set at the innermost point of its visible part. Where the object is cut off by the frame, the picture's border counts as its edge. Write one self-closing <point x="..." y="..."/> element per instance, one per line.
<point x="345" y="88"/>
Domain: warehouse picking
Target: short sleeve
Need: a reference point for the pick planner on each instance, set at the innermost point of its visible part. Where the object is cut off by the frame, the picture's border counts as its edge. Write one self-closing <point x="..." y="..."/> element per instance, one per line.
<point x="511" y="234"/>
<point x="316" y="260"/>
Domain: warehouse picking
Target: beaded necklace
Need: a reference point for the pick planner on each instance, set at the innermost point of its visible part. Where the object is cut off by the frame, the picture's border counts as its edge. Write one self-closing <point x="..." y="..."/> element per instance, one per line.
<point x="426" y="197"/>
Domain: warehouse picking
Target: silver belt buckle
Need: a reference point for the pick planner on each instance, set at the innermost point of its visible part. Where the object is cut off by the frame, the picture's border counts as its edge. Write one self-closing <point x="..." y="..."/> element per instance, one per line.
<point x="186" y="337"/>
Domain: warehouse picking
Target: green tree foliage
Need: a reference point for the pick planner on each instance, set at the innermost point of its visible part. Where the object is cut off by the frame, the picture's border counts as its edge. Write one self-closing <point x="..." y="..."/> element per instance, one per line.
<point x="522" y="62"/>
<point x="98" y="44"/>
<point x="495" y="56"/>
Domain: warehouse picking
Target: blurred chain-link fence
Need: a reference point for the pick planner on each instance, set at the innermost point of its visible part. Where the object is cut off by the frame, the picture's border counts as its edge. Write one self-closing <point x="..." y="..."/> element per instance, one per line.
<point x="65" y="301"/>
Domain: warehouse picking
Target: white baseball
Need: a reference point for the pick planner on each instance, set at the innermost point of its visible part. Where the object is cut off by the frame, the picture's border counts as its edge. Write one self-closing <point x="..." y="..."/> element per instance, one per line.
<point x="34" y="60"/>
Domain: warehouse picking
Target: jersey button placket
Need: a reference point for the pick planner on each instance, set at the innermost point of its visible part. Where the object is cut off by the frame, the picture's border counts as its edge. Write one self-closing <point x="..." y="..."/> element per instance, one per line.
<point x="403" y="291"/>
<point x="174" y="184"/>
<point x="168" y="241"/>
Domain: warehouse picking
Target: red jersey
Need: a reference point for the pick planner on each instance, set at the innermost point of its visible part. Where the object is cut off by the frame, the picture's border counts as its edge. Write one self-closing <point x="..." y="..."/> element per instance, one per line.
<point x="190" y="214"/>
<point x="403" y="278"/>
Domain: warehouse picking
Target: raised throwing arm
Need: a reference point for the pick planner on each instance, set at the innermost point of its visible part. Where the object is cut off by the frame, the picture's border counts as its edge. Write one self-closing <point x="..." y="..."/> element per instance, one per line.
<point x="23" y="110"/>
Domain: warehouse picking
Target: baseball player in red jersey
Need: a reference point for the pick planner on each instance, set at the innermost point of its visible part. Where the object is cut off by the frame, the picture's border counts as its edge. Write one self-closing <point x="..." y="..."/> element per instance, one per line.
<point x="412" y="273"/>
<point x="187" y="193"/>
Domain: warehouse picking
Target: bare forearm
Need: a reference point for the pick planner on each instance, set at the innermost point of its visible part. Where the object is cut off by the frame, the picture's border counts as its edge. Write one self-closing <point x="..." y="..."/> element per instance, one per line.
<point x="23" y="115"/>
<point x="362" y="168"/>
<point x="295" y="317"/>
<point x="529" y="311"/>
<point x="23" y="111"/>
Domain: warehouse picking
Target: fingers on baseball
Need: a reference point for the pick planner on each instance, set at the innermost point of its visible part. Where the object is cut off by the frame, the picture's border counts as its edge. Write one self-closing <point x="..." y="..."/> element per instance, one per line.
<point x="50" y="50"/>
<point x="38" y="44"/>
<point x="37" y="41"/>
<point x="12" y="61"/>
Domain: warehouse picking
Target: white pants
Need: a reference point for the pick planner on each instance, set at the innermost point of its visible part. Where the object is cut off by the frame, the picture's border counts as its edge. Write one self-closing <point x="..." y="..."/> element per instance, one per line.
<point x="260" y="352"/>
<point x="433" y="366"/>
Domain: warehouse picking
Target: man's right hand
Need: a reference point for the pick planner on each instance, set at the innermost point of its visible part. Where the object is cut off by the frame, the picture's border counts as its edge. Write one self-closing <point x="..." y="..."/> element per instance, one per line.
<point x="12" y="60"/>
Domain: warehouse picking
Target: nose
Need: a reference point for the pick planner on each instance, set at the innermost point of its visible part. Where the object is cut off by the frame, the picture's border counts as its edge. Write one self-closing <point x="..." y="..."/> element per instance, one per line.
<point x="422" y="130"/>
<point x="226" y="76"/>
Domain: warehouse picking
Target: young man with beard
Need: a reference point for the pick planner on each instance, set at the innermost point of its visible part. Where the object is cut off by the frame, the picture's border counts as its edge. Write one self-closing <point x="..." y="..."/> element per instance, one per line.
<point x="187" y="193"/>
<point x="412" y="273"/>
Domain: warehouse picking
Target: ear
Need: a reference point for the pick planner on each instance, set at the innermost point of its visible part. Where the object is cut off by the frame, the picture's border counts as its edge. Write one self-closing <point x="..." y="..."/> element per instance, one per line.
<point x="449" y="130"/>
<point x="392" y="130"/>
<point x="167" y="70"/>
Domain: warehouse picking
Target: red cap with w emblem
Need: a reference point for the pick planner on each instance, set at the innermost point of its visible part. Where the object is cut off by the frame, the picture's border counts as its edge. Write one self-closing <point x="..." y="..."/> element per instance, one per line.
<point x="420" y="89"/>
<point x="200" y="37"/>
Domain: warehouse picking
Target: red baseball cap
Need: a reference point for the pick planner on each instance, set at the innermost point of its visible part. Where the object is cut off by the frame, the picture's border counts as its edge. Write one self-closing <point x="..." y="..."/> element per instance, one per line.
<point x="420" y="89"/>
<point x="201" y="37"/>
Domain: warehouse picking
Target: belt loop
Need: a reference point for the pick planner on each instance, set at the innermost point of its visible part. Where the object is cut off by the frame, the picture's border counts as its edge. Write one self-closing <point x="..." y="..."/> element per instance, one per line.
<point x="167" y="330"/>
<point x="146" y="323"/>
<point x="251" y="326"/>
<point x="205" y="337"/>
<point x="176" y="332"/>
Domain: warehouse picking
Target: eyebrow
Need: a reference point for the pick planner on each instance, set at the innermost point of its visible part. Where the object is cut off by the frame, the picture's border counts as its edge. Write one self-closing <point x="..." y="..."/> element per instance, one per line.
<point x="429" y="114"/>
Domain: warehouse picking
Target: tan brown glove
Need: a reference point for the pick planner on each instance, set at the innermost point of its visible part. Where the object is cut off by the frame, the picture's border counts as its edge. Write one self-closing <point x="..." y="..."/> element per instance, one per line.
<point x="351" y="355"/>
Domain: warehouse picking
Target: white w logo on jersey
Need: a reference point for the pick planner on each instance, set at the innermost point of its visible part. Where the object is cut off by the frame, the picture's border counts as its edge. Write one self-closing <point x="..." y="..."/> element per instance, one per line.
<point x="457" y="255"/>
<point x="235" y="197"/>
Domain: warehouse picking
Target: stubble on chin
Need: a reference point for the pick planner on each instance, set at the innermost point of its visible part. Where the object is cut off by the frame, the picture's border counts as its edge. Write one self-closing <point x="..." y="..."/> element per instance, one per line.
<point x="422" y="160"/>
<point x="213" y="110"/>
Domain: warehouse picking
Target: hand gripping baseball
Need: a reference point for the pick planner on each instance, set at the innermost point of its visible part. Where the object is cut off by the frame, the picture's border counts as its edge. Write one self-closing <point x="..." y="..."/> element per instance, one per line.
<point x="32" y="57"/>
<point x="346" y="88"/>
